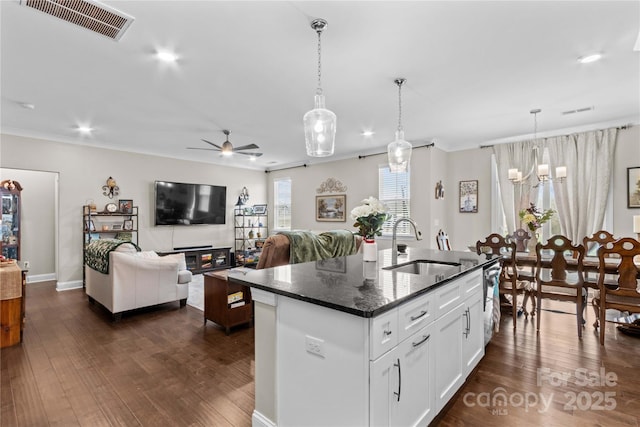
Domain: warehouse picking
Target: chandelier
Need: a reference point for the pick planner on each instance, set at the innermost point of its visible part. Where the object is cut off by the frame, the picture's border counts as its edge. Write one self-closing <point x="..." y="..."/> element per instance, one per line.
<point x="399" y="151"/>
<point x="319" y="123"/>
<point x="541" y="170"/>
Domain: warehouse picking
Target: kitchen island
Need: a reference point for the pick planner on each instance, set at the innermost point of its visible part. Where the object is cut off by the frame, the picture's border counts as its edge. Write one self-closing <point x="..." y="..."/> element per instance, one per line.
<point x="342" y="342"/>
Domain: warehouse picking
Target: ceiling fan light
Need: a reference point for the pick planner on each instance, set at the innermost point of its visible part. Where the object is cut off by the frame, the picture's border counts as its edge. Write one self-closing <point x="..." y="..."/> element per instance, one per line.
<point x="227" y="149"/>
<point x="319" y="129"/>
<point x="399" y="152"/>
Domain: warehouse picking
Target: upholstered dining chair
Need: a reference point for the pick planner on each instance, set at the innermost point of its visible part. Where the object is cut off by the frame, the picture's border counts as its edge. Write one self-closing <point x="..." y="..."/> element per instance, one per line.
<point x="553" y="279"/>
<point x="521" y="237"/>
<point x="442" y="239"/>
<point x="623" y="292"/>
<point x="508" y="282"/>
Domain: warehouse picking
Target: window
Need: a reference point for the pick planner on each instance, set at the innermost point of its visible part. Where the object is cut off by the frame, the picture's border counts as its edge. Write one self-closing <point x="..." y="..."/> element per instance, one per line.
<point x="282" y="204"/>
<point x="393" y="191"/>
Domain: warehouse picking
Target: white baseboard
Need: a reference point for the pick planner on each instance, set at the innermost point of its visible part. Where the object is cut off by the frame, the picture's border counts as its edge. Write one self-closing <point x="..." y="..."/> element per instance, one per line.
<point x="65" y="286"/>
<point x="259" y="420"/>
<point x="36" y="278"/>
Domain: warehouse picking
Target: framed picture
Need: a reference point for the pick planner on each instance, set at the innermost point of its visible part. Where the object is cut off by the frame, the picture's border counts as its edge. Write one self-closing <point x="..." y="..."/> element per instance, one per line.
<point x="633" y="187"/>
<point x="259" y="209"/>
<point x="125" y="206"/>
<point x="469" y="196"/>
<point x="116" y="227"/>
<point x="331" y="208"/>
<point x="89" y="225"/>
<point x="128" y="224"/>
<point x="335" y="265"/>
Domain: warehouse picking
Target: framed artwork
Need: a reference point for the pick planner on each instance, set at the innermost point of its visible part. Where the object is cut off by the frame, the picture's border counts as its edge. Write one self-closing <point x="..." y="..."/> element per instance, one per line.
<point x="469" y="196"/>
<point x="125" y="206"/>
<point x="335" y="265"/>
<point x="128" y="224"/>
<point x="259" y="209"/>
<point x="633" y="187"/>
<point x="331" y="208"/>
<point x="89" y="225"/>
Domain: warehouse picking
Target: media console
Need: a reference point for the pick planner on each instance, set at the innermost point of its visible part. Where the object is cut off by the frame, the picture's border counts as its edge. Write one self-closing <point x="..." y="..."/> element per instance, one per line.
<point x="204" y="258"/>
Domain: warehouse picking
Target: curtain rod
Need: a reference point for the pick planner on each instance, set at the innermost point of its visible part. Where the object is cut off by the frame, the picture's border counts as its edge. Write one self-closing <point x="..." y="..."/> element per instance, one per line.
<point x="623" y="127"/>
<point x="284" y="169"/>
<point x="364" y="156"/>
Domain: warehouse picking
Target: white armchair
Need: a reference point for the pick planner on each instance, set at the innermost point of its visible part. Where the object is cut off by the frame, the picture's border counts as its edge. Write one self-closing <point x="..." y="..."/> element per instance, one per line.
<point x="138" y="279"/>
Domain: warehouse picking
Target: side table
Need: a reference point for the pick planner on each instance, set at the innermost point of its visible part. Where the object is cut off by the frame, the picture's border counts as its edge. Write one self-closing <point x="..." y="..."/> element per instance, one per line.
<point x="225" y="303"/>
<point x="12" y="303"/>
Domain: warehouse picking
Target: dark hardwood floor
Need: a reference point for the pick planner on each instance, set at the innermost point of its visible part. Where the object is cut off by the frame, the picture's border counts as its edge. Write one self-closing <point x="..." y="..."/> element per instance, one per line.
<point x="164" y="367"/>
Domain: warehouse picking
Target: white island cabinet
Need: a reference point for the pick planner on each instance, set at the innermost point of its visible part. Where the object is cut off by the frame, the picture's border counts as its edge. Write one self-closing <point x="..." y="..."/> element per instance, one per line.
<point x="317" y="365"/>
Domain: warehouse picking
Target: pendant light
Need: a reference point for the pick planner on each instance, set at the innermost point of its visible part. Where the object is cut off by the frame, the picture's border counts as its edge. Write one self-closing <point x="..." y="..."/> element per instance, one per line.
<point x="399" y="150"/>
<point x="319" y="123"/>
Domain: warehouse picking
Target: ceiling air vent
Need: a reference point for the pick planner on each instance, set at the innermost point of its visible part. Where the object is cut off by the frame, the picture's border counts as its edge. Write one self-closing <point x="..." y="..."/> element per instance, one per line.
<point x="91" y="15"/>
<point x="577" y="110"/>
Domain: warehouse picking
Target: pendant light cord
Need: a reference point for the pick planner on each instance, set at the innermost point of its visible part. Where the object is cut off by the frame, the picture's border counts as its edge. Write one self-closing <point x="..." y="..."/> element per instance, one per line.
<point x="400" y="106"/>
<point x="319" y="90"/>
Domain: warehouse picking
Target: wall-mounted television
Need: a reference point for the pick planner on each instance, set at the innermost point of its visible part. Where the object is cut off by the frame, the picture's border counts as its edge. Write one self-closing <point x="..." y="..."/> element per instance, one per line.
<point x="178" y="203"/>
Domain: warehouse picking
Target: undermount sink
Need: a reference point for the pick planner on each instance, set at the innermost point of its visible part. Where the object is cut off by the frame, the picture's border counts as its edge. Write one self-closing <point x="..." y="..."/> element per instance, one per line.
<point x="425" y="267"/>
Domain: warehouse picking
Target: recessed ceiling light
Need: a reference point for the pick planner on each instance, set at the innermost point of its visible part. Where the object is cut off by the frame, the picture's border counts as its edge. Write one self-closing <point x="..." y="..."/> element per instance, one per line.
<point x="166" y="56"/>
<point x="84" y="130"/>
<point x="368" y="133"/>
<point x="589" y="58"/>
<point x="253" y="158"/>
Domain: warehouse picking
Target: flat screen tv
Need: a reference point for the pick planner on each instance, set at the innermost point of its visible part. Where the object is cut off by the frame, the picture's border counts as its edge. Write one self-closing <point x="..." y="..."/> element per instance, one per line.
<point x="178" y="203"/>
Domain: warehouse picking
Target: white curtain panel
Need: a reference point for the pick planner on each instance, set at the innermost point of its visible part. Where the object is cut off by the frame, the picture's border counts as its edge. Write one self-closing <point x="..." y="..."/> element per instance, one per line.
<point x="582" y="198"/>
<point x="520" y="155"/>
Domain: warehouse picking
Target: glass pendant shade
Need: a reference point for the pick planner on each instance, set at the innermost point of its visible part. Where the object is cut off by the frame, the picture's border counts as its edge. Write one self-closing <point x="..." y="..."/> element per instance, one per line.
<point x="399" y="152"/>
<point x="319" y="129"/>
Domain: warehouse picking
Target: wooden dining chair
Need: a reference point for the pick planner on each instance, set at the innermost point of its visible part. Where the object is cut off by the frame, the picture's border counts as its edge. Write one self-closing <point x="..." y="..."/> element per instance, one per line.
<point x="521" y="237"/>
<point x="622" y="293"/>
<point x="553" y="279"/>
<point x="591" y="245"/>
<point x="508" y="282"/>
<point x="443" y="241"/>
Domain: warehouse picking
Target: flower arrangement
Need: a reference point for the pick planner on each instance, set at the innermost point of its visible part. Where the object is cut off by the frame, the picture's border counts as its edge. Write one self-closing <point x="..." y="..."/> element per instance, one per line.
<point x="369" y="218"/>
<point x="534" y="217"/>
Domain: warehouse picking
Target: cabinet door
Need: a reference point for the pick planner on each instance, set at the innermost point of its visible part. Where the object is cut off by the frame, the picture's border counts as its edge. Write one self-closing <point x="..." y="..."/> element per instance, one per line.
<point x="402" y="383"/>
<point x="473" y="339"/>
<point x="448" y="355"/>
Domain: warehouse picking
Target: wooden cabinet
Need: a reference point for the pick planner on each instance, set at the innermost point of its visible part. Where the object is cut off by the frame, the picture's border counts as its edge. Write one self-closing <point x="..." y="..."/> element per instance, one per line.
<point x="250" y="232"/>
<point x="225" y="303"/>
<point x="12" y="303"/>
<point x="11" y="211"/>
<point x="201" y="260"/>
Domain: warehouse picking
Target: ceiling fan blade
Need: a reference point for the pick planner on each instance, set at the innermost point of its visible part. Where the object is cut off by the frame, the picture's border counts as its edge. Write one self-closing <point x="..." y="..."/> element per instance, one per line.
<point x="199" y="148"/>
<point x="249" y="154"/>
<point x="246" y="147"/>
<point x="211" y="143"/>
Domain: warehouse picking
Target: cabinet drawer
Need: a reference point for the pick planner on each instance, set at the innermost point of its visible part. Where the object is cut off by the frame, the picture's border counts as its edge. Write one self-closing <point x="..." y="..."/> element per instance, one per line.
<point x="448" y="296"/>
<point x="384" y="333"/>
<point x="472" y="282"/>
<point x="415" y="314"/>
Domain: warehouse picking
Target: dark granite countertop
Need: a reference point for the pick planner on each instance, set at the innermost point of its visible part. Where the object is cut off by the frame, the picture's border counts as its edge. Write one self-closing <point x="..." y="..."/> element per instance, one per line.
<point x="361" y="288"/>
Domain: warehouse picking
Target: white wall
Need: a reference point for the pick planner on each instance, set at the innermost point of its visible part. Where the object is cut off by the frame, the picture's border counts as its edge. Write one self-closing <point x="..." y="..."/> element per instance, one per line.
<point x="84" y="170"/>
<point x="627" y="155"/>
<point x="360" y="176"/>
<point x="37" y="231"/>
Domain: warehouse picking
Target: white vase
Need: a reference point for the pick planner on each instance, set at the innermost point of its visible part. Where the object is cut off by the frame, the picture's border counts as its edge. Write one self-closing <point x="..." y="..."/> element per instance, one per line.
<point x="369" y="250"/>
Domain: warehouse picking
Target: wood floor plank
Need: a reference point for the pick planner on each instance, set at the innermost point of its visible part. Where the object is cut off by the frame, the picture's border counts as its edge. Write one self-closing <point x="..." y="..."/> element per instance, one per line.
<point x="164" y="367"/>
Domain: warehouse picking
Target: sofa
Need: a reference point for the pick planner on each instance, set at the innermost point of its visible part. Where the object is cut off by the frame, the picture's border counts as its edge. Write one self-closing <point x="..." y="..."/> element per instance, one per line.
<point x="307" y="246"/>
<point x="136" y="279"/>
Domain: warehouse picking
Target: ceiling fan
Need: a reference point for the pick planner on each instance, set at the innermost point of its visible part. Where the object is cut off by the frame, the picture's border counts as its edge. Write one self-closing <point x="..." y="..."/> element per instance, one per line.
<point x="227" y="148"/>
